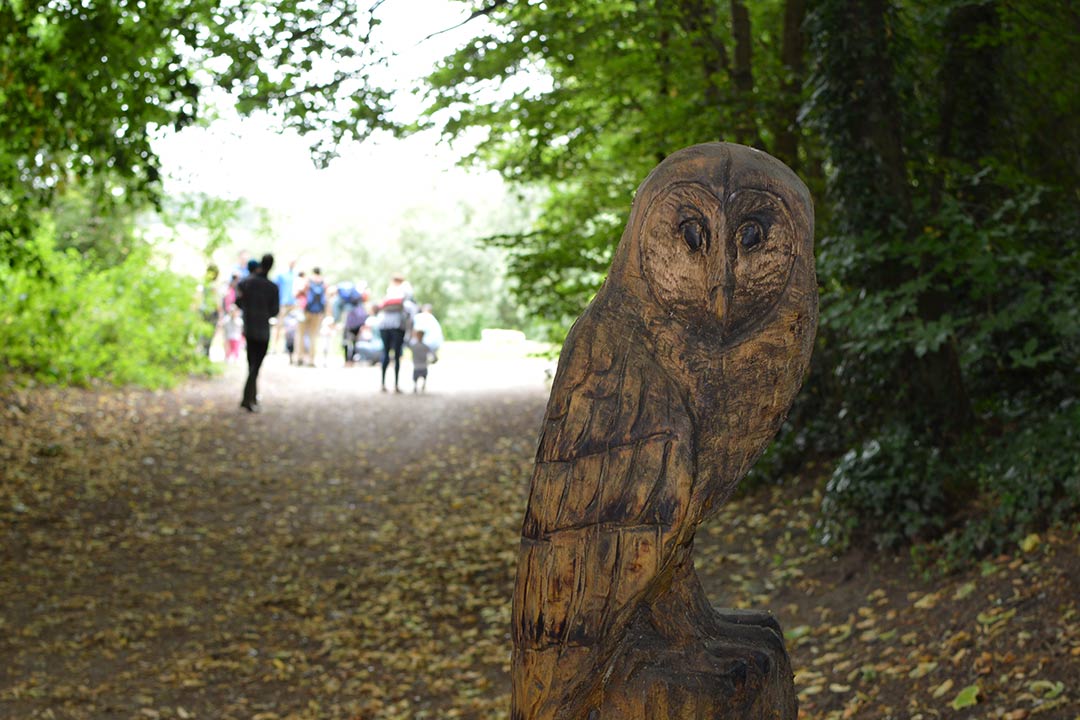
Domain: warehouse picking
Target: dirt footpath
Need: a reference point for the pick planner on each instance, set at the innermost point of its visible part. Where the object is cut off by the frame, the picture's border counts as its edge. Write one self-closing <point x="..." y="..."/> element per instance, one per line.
<point x="350" y="554"/>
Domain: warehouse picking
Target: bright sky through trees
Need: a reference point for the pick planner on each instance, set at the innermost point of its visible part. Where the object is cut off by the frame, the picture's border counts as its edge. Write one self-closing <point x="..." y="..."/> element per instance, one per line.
<point x="370" y="185"/>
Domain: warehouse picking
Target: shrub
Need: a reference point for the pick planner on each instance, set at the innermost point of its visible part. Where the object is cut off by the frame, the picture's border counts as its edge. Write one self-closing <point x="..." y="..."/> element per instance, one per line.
<point x="1029" y="479"/>
<point x="890" y="491"/>
<point x="897" y="489"/>
<point x="64" y="321"/>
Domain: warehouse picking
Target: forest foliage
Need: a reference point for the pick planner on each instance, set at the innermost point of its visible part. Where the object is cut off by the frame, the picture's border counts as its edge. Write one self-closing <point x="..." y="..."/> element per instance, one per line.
<point x="85" y="88"/>
<point x="936" y="137"/>
<point x="126" y="323"/>
<point x="937" y="140"/>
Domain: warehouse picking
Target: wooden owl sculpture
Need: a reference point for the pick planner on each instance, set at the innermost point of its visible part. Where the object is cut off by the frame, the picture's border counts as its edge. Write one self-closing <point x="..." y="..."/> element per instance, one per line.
<point x="672" y="383"/>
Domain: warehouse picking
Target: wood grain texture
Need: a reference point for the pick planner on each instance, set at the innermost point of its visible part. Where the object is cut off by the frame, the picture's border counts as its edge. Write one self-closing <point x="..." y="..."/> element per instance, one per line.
<point x="671" y="384"/>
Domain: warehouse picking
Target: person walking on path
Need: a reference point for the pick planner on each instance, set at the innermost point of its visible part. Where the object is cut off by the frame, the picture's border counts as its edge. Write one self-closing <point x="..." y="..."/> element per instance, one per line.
<point x="286" y="282"/>
<point x="354" y="322"/>
<point x="421" y="354"/>
<point x="314" y="312"/>
<point x="208" y="309"/>
<point x="393" y="325"/>
<point x="234" y="334"/>
<point x="228" y="298"/>
<point x="427" y="322"/>
<point x="291" y="323"/>
<point x="257" y="296"/>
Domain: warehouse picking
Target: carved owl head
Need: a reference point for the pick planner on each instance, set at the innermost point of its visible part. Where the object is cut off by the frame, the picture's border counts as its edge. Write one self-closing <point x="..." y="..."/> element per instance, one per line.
<point x="718" y="233"/>
<point x="718" y="259"/>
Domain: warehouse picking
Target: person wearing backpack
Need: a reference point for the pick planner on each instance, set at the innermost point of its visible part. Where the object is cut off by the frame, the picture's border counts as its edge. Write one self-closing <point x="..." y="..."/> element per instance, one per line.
<point x="287" y="282"/>
<point x="346" y="297"/>
<point x="314" y="312"/>
<point x="395" y="322"/>
<point x="354" y="321"/>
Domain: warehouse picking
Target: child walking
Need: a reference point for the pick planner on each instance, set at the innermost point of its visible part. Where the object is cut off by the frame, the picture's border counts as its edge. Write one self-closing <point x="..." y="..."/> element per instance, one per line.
<point x="291" y="322"/>
<point x="234" y="334"/>
<point x="420" y="355"/>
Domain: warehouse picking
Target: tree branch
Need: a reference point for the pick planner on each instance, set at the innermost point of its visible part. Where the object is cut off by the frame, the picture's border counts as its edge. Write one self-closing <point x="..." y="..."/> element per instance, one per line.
<point x="482" y="12"/>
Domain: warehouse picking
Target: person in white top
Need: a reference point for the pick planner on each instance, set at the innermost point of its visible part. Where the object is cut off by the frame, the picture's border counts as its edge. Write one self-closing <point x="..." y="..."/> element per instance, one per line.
<point x="429" y="324"/>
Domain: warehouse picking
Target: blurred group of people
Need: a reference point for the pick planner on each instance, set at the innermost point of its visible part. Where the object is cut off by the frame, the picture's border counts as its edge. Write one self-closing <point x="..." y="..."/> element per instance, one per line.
<point x="307" y="313"/>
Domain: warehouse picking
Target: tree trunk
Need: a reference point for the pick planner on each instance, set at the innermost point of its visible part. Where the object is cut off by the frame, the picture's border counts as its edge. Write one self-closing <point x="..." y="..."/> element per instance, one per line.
<point x="876" y="145"/>
<point x="699" y="20"/>
<point x="792" y="58"/>
<point x="970" y="99"/>
<point x="969" y="102"/>
<point x="663" y="62"/>
<point x="742" y="77"/>
<point x="879" y="119"/>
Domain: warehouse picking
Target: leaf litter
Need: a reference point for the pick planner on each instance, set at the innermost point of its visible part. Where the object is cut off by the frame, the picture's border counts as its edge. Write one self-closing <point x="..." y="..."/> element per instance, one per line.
<point x="351" y="555"/>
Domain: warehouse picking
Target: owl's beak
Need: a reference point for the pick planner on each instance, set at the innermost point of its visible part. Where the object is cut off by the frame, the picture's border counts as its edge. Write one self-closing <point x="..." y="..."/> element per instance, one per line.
<point x="717" y="301"/>
<point x="722" y="287"/>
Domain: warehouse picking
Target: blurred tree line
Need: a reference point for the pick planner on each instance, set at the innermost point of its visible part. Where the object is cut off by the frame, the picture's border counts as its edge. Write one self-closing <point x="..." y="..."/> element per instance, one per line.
<point x="937" y="137"/>
<point x="465" y="281"/>
<point x="84" y="90"/>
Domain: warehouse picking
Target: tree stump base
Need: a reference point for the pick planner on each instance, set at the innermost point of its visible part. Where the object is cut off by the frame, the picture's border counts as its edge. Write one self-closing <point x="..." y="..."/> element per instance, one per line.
<point x="742" y="673"/>
<point x="683" y="660"/>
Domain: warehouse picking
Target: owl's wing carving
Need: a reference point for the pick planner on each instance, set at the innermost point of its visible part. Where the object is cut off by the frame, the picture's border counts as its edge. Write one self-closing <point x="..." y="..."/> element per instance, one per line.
<point x="606" y="515"/>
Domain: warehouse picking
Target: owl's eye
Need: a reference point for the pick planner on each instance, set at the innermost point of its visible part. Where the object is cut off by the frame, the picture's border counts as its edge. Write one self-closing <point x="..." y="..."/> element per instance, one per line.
<point x="695" y="233"/>
<point x="750" y="235"/>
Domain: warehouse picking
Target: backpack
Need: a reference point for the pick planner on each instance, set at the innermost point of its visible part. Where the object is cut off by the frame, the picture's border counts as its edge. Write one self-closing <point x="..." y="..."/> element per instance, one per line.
<point x="316" y="297"/>
<point x="348" y="293"/>
<point x="356" y="318"/>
